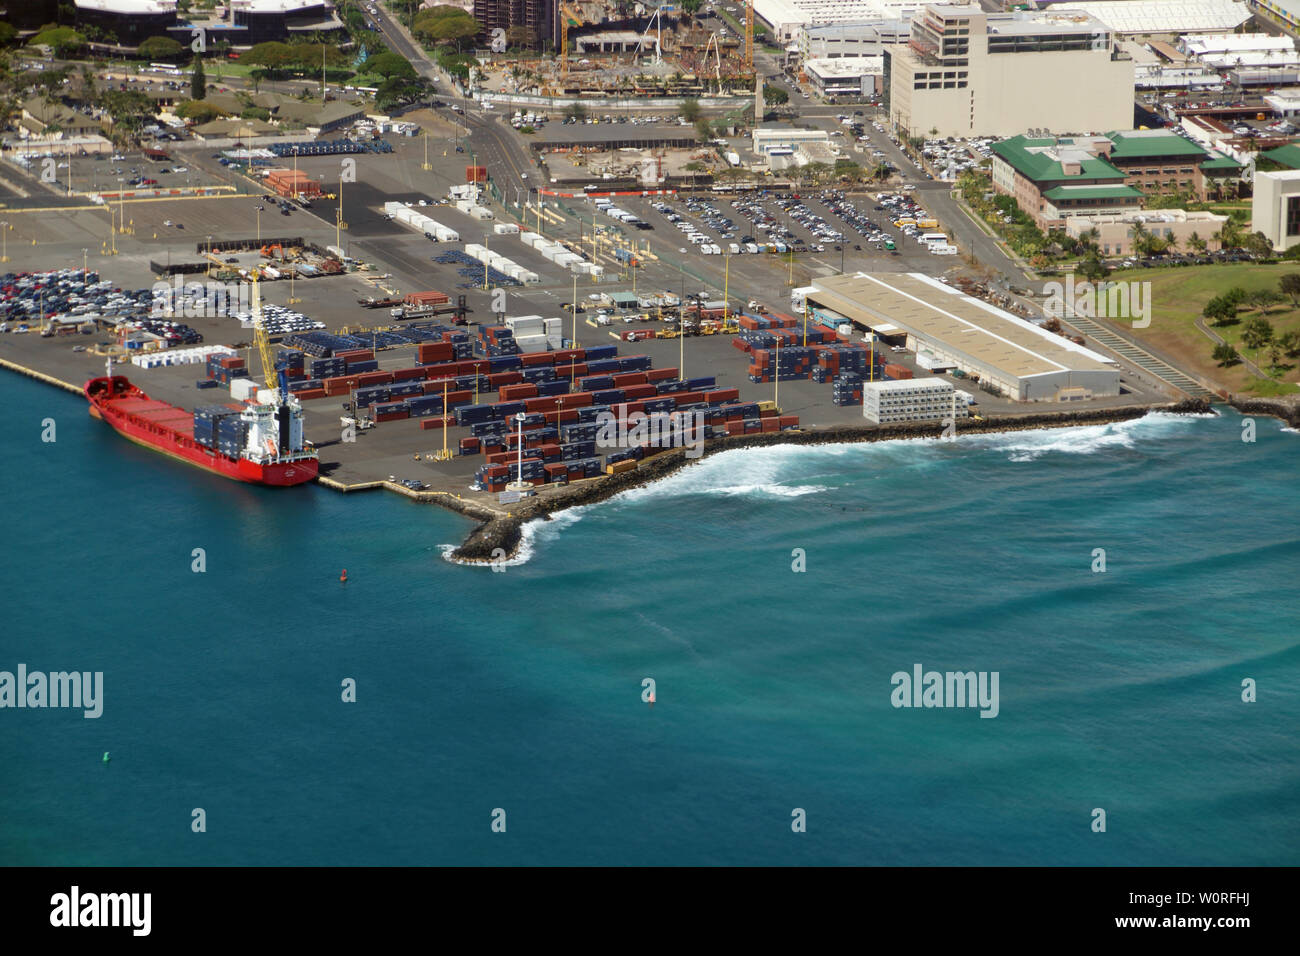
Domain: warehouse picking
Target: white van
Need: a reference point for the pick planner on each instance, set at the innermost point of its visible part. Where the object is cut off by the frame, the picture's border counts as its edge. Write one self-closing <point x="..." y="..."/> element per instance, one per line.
<point x="933" y="238"/>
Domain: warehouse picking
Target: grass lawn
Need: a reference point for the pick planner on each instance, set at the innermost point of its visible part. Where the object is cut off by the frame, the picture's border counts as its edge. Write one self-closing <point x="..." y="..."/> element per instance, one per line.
<point x="1178" y="294"/>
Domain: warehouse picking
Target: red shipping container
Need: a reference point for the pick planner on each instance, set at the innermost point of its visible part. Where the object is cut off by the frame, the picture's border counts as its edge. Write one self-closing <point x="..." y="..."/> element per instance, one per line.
<point x="624" y="379"/>
<point x="355" y="355"/>
<point x="736" y="427"/>
<point x="469" y="444"/>
<point x="438" y="421"/>
<point x="431" y="297"/>
<point x="564" y="417"/>
<point x="374" y="378"/>
<point x="721" y="395"/>
<point x="789" y="420"/>
<point x="407" y="374"/>
<point x="307" y="394"/>
<point x="459" y="398"/>
<point x="565" y="356"/>
<point x="898" y="372"/>
<point x="556" y="469"/>
<point x="533" y="359"/>
<point x="521" y="390"/>
<point x="574" y="400"/>
<point x="497" y="379"/>
<point x="493" y="449"/>
<point x="660" y="374"/>
<point x="394" y="417"/>
<point x="739" y="343"/>
<point x="475" y="174"/>
<point x="688" y="398"/>
<point x="640" y="391"/>
<point x="544" y="404"/>
<point x="429" y="352"/>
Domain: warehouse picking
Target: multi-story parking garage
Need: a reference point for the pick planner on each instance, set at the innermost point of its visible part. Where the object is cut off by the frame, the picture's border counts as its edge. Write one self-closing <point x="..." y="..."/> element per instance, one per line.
<point x="1008" y="354"/>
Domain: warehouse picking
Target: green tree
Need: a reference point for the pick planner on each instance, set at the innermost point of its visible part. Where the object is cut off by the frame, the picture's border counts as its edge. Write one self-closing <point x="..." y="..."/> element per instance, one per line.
<point x="576" y="111"/>
<point x="159" y="48"/>
<point x="389" y="65"/>
<point x="7" y="34"/>
<point x="689" y="110"/>
<point x="64" y="41"/>
<point x="198" y="82"/>
<point x="1092" y="268"/>
<point x="1290" y="343"/>
<point x="1290" y="285"/>
<point x="1220" y="311"/>
<point x="703" y="132"/>
<point x="1225" y="354"/>
<point x="1196" y="244"/>
<point x="1261" y="299"/>
<point x="446" y="24"/>
<point x="775" y="95"/>
<point x="1257" y="333"/>
<point x="198" y="112"/>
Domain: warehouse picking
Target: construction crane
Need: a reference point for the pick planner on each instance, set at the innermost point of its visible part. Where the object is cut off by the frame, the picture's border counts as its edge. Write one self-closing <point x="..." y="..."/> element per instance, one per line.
<point x="569" y="16"/>
<point x="656" y="24"/>
<point x="749" y="35"/>
<point x="717" y="59"/>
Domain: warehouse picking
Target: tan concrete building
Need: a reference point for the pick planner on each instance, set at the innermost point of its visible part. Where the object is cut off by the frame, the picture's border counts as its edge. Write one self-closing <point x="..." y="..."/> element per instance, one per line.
<point x="965" y="72"/>
<point x="1115" y="232"/>
<point x="1275" y="207"/>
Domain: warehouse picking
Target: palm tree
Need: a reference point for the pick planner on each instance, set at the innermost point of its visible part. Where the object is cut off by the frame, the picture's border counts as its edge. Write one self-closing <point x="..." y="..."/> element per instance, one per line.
<point x="1228" y="235"/>
<point x="1196" y="244"/>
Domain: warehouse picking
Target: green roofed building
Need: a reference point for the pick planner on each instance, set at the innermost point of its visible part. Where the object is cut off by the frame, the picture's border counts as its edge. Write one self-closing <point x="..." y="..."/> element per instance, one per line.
<point x="1288" y="156"/>
<point x="1054" y="178"/>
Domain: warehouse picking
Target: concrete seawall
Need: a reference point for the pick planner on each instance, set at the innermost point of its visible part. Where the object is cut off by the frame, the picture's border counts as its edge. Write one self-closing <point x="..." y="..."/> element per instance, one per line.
<point x="504" y="532"/>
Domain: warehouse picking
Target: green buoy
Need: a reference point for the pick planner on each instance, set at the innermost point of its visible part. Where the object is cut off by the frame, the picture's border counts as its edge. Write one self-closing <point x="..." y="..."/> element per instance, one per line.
<point x="105" y="756"/>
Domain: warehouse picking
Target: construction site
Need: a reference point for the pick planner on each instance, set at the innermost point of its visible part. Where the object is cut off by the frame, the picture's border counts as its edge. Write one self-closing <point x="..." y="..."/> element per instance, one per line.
<point x="663" y="51"/>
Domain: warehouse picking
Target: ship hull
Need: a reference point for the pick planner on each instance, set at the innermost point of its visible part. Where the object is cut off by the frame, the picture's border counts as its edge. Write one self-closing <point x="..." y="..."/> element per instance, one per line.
<point x="162" y="428"/>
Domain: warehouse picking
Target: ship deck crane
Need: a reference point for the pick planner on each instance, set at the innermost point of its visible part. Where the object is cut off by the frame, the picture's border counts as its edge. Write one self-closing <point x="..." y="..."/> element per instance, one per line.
<point x="262" y="340"/>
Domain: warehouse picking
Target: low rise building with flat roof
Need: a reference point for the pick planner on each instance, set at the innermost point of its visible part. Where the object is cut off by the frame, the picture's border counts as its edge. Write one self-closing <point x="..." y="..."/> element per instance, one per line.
<point x="912" y="400"/>
<point x="858" y="76"/>
<point x="1009" y="355"/>
<point x="1115" y="234"/>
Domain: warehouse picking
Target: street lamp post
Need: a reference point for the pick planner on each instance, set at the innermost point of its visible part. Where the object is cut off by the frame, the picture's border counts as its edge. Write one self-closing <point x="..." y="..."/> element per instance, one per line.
<point x="518" y="484"/>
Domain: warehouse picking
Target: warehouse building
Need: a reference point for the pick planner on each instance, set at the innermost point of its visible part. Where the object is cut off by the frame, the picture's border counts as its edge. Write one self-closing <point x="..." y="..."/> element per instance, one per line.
<point x="1149" y="19"/>
<point x="912" y="400"/>
<point x="859" y="76"/>
<point x="1009" y="355"/>
<point x="953" y="76"/>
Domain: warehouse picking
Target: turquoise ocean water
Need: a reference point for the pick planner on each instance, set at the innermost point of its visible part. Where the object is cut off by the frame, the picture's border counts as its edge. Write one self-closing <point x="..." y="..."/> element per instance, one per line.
<point x="522" y="690"/>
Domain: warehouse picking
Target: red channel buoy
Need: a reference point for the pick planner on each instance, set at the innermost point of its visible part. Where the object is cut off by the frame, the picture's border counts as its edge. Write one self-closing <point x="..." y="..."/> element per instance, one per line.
<point x="343" y="578"/>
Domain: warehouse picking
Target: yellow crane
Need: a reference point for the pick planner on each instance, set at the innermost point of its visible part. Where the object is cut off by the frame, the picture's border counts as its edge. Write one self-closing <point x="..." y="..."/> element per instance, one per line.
<point x="262" y="340"/>
<point x="569" y="16"/>
<point x="749" y="35"/>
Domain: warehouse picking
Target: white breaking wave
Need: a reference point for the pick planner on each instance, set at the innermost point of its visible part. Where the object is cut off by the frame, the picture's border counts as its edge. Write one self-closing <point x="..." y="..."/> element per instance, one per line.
<point x="752" y="472"/>
<point x="768" y="472"/>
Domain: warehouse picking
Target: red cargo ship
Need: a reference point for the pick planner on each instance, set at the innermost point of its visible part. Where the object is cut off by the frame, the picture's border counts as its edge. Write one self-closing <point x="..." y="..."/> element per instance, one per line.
<point x="267" y="459"/>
